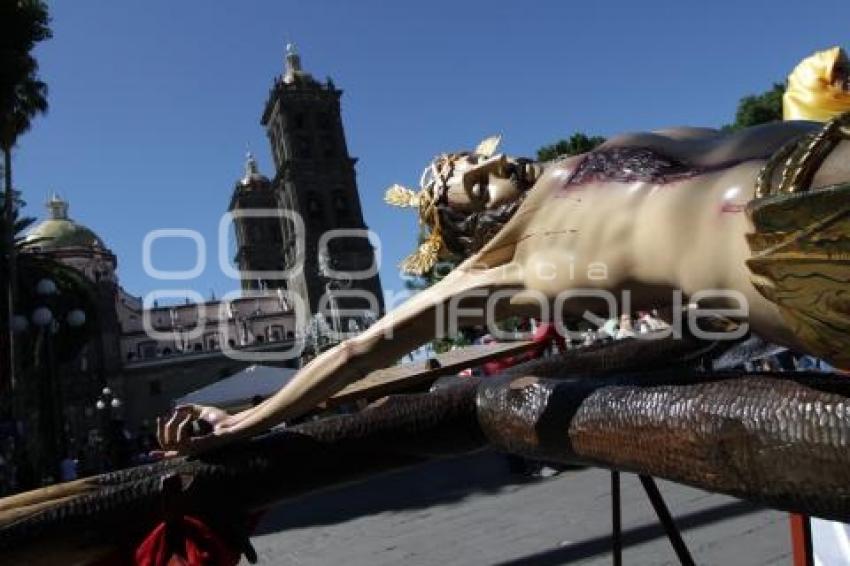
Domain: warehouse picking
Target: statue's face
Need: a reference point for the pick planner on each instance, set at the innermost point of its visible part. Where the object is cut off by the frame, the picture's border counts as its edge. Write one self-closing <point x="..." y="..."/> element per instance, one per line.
<point x="474" y="183"/>
<point x="464" y="198"/>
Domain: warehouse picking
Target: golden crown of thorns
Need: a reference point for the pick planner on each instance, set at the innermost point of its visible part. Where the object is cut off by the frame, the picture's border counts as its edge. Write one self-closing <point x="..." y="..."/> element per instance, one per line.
<point x="434" y="178"/>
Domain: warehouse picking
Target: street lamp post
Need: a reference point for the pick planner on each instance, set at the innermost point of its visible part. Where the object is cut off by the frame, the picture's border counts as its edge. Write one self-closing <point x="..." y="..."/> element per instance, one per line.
<point x="107" y="402"/>
<point x="49" y="392"/>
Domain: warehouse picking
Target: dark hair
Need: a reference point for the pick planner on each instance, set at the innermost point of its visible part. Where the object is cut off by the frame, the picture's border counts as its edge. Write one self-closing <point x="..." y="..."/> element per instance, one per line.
<point x="464" y="233"/>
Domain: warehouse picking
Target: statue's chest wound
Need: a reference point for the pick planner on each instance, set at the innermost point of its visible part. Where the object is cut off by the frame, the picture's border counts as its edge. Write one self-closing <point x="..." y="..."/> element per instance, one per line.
<point x="630" y="165"/>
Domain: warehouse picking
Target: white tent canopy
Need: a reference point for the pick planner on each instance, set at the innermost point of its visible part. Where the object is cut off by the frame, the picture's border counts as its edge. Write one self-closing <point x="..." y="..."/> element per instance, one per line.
<point x="241" y="387"/>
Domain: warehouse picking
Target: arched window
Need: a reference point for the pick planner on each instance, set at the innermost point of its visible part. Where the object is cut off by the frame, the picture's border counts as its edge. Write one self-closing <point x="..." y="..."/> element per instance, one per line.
<point x="314" y="206"/>
<point x="340" y="204"/>
<point x="328" y="147"/>
<point x="274" y="333"/>
<point x="147" y="350"/>
<point x="303" y="147"/>
<point x="256" y="231"/>
<point x="324" y="121"/>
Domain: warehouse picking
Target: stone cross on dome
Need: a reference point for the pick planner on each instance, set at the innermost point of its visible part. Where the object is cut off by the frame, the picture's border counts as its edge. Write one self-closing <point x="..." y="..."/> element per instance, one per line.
<point x="57" y="207"/>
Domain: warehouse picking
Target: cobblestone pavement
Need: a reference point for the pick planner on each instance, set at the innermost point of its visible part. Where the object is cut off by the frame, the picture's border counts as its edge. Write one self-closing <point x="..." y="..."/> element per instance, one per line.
<point x="471" y="511"/>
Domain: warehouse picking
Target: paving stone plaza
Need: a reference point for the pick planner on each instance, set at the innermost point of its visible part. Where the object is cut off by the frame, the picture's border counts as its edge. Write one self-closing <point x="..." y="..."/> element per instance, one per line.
<point x="471" y="511"/>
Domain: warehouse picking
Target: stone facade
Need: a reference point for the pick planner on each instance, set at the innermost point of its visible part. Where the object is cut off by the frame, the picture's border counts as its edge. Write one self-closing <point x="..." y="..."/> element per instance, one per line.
<point x="315" y="181"/>
<point x="169" y="351"/>
<point x="259" y="243"/>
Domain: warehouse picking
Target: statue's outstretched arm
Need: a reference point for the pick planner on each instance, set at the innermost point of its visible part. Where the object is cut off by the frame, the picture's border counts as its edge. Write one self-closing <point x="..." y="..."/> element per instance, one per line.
<point x="397" y="333"/>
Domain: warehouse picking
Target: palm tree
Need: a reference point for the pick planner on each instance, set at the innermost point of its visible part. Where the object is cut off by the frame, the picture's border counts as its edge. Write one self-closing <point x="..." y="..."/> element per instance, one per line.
<point x="23" y="24"/>
<point x="18" y="228"/>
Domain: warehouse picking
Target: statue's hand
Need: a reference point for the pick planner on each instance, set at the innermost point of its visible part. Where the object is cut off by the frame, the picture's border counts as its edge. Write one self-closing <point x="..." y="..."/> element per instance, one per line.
<point x="193" y="429"/>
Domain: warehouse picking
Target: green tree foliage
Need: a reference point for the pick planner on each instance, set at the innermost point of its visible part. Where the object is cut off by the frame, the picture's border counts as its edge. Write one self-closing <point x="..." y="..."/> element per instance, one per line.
<point x="758" y="109"/>
<point x="19" y="227"/>
<point x="23" y="24"/>
<point x="23" y="96"/>
<point x="20" y="224"/>
<point x="577" y="144"/>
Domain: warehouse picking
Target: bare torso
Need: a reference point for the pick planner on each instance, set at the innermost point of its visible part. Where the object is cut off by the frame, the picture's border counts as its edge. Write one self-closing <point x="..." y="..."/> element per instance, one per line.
<point x="651" y="237"/>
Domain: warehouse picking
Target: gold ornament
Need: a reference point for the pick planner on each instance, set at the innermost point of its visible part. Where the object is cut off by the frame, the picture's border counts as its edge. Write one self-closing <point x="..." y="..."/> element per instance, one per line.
<point x="401" y="196"/>
<point x="425" y="257"/>
<point x="440" y="169"/>
<point x="488" y="146"/>
<point x="813" y="92"/>
<point x="801" y="246"/>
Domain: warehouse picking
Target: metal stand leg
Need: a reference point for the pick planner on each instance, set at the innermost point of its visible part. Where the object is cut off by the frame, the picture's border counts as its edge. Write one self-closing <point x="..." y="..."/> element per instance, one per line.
<point x="666" y="520"/>
<point x="801" y="540"/>
<point x="616" y="527"/>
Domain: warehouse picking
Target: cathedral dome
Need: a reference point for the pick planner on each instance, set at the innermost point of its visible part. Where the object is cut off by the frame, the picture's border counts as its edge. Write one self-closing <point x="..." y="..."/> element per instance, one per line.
<point x="60" y="232"/>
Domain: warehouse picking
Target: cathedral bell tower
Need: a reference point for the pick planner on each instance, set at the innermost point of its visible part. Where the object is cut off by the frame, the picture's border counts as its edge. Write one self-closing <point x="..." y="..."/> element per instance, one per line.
<point x="315" y="179"/>
<point x="258" y="237"/>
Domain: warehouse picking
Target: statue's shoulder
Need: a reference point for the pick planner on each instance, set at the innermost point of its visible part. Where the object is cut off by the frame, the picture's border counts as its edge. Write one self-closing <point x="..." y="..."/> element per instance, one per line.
<point x="662" y="137"/>
<point x="711" y="147"/>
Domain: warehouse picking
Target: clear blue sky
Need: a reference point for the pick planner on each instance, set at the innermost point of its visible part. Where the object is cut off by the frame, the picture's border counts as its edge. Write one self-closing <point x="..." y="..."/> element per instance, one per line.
<point x="153" y="103"/>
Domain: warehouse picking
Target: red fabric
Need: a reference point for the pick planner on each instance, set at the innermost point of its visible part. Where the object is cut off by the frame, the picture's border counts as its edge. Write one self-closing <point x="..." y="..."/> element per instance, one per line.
<point x="545" y="335"/>
<point x="197" y="545"/>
